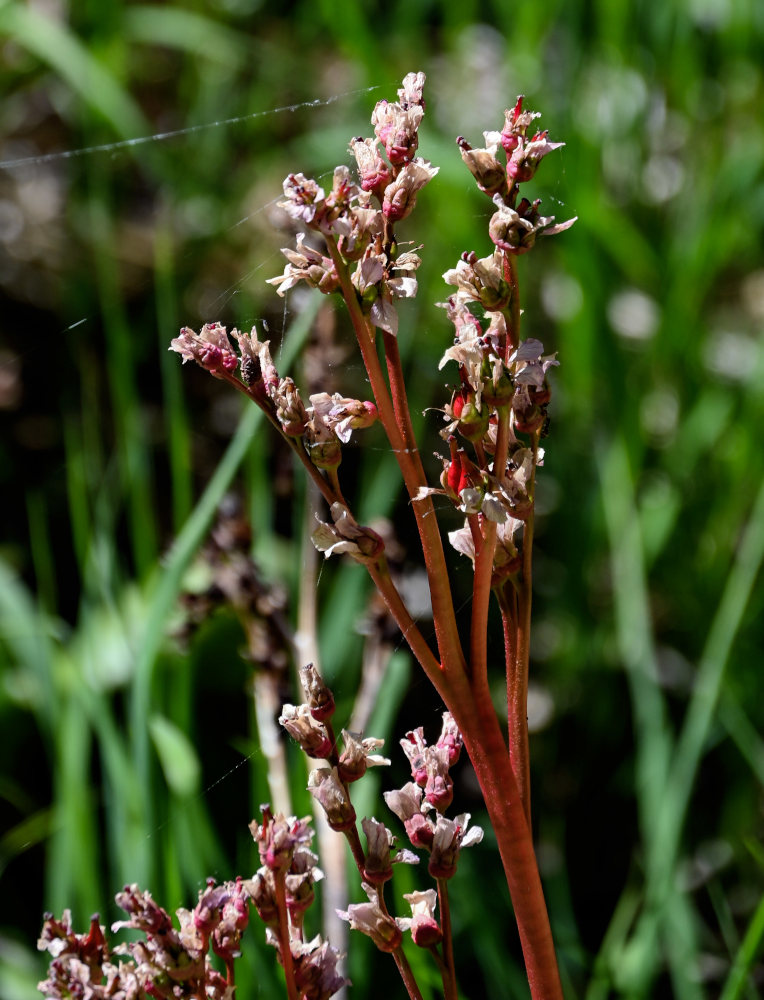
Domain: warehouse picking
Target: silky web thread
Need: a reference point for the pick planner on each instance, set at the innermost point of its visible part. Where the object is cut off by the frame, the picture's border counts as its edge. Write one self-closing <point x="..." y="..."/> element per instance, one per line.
<point x="109" y="147"/>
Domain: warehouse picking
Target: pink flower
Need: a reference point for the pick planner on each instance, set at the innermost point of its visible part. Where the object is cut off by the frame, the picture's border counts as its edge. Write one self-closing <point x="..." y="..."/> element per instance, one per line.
<point x="400" y="195"/>
<point x="343" y="415"/>
<point x="370" y="919"/>
<point x="347" y="536"/>
<point x="308" y="265"/>
<point x="311" y="734"/>
<point x="450" y="837"/>
<point x="211" y="348"/>
<point x="425" y="931"/>
<point x="303" y="198"/>
<point x="327" y="789"/>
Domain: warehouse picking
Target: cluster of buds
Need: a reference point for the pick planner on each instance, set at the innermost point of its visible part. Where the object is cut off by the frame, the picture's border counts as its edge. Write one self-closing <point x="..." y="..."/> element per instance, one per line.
<point x="499" y="375"/>
<point x="166" y="963"/>
<point x="515" y="225"/>
<point x="310" y="725"/>
<point x="323" y="426"/>
<point x="355" y="221"/>
<point x="421" y="804"/>
<point x="282" y="891"/>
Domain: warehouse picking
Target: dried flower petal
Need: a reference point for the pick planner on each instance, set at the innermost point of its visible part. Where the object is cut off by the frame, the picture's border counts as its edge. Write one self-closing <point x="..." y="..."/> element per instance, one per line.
<point x="370" y="919"/>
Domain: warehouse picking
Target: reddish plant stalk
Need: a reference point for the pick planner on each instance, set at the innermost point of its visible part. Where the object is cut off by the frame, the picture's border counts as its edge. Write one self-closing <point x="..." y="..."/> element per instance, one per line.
<point x="449" y="969"/>
<point x="406" y="974"/>
<point x="449" y="643"/>
<point x="519" y="751"/>
<point x="487" y="750"/>
<point x="473" y="711"/>
<point x="484" y="557"/>
<point x="282" y="930"/>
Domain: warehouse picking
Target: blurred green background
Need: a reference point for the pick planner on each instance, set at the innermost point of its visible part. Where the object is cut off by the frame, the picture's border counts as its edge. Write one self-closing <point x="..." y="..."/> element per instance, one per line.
<point x="126" y="758"/>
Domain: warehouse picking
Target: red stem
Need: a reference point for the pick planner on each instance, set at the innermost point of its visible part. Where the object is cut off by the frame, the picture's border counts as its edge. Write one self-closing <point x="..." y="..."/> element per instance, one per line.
<point x="294" y="443"/>
<point x="449" y="644"/>
<point x="406" y="974"/>
<point x="513" y="324"/>
<point x="519" y="751"/>
<point x="507" y="597"/>
<point x="481" y="587"/>
<point x="485" y="746"/>
<point x="285" y="945"/>
<point x="449" y="970"/>
<point x="380" y="574"/>
<point x="351" y="835"/>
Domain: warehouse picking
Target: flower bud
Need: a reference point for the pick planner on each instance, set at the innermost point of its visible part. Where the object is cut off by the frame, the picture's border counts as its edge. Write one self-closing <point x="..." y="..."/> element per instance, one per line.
<point x="439" y="790"/>
<point x="263" y="893"/>
<point x="278" y="837"/>
<point x="326" y="788"/>
<point x="325" y="454"/>
<point x="425" y="931"/>
<point x="211" y="348"/>
<point x="311" y="734"/>
<point x="358" y="756"/>
<point x="414" y="746"/>
<point x="370" y="919"/>
<point x="374" y="173"/>
<point x="290" y="409"/>
<point x="378" y="867"/>
<point x="450" y="836"/>
<point x="489" y="173"/>
<point x="450" y="738"/>
<point x="400" y="195"/>
<point x="320" y="697"/>
<point x="472" y="421"/>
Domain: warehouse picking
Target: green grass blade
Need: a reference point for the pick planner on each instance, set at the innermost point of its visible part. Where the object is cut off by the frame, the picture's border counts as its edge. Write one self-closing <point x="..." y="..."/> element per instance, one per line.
<point x="54" y="44"/>
<point x="724" y="628"/>
<point x="746" y="956"/>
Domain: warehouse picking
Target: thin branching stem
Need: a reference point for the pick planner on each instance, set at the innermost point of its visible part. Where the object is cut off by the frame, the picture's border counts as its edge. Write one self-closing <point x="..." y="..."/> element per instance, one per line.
<point x="356" y="848"/>
<point x="449" y="969"/>
<point x="380" y="574"/>
<point x="282" y="930"/>
<point x="326" y="489"/>
<point x="406" y="974"/>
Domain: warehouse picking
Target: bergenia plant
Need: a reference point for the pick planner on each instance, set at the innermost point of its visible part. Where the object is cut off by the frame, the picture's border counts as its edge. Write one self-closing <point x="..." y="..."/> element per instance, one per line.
<point x="495" y="418"/>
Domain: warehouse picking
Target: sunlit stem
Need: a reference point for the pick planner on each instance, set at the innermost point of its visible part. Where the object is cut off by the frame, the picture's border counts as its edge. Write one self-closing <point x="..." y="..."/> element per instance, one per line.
<point x="519" y="753"/>
<point x="406" y="974"/>
<point x="449" y="644"/>
<point x="295" y="444"/>
<point x="484" y="557"/>
<point x="449" y="969"/>
<point x="285" y="945"/>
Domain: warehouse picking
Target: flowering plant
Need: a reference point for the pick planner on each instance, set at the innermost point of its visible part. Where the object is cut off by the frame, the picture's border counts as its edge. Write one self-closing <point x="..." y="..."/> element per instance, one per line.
<point x="494" y="421"/>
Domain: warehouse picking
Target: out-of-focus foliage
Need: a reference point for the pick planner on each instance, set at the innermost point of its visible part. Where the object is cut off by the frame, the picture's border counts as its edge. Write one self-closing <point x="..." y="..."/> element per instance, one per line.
<point x="120" y="753"/>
